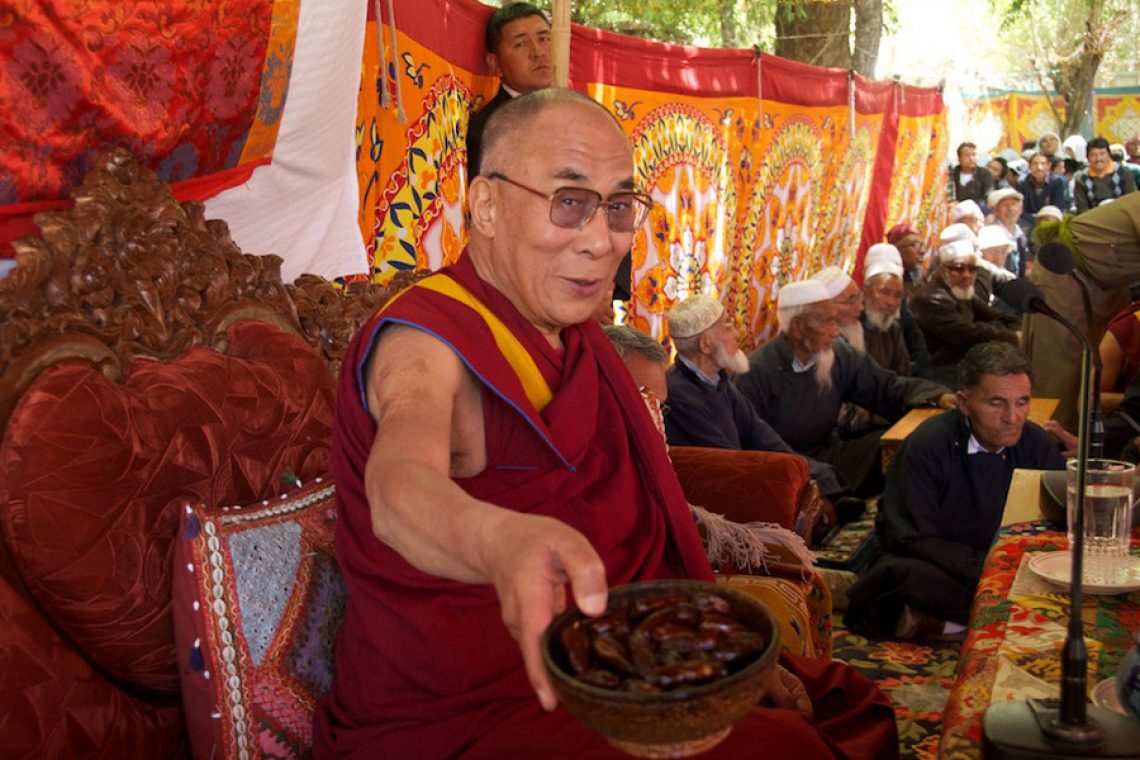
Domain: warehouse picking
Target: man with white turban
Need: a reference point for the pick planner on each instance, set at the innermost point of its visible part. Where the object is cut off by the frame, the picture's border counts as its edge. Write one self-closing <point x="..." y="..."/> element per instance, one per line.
<point x="798" y="381"/>
<point x="952" y="314"/>
<point x="705" y="408"/>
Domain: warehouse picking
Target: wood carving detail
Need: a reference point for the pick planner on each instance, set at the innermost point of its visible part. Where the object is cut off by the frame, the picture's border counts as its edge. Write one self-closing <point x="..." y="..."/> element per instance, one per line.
<point x="146" y="275"/>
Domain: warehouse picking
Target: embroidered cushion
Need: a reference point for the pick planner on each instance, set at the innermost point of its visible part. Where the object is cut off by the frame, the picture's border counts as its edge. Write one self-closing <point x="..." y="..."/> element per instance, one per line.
<point x="258" y="603"/>
<point x="92" y="472"/>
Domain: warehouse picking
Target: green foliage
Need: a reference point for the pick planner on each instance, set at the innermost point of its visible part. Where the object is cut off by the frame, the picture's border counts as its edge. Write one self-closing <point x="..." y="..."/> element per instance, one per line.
<point x="696" y="22"/>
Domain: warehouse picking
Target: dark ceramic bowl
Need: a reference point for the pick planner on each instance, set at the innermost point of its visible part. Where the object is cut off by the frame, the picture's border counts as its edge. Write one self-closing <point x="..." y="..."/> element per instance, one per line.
<point x="674" y="723"/>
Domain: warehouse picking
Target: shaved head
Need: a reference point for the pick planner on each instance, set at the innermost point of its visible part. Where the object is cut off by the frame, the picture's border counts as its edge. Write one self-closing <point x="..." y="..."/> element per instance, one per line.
<point x="506" y="128"/>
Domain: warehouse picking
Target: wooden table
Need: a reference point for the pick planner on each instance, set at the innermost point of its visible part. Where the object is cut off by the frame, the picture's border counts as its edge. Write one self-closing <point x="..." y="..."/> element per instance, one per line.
<point x="1040" y="410"/>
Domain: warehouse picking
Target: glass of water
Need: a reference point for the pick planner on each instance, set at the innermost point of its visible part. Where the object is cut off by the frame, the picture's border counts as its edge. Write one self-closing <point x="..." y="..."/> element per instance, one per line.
<point x="1108" y="517"/>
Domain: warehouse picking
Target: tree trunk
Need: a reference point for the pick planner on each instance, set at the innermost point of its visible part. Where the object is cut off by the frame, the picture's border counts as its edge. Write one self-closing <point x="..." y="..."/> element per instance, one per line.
<point x="729" y="31"/>
<point x="1074" y="79"/>
<point x="868" y="32"/>
<point x="814" y="31"/>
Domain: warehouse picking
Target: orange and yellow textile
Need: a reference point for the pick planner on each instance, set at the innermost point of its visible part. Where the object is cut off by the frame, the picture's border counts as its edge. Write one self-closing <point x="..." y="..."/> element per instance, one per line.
<point x="195" y="90"/>
<point x="760" y="172"/>
<point x="1026" y="115"/>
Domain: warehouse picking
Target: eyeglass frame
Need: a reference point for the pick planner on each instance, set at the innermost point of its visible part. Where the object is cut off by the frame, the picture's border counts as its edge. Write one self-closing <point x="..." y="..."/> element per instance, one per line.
<point x="640" y="217"/>
<point x="960" y="268"/>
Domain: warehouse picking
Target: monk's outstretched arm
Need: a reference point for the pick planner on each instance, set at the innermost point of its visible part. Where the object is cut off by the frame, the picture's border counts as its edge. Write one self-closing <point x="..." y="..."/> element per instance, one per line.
<point x="420" y="394"/>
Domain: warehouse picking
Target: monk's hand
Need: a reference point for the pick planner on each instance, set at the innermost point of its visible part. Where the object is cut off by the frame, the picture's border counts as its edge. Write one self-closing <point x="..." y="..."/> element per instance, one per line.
<point x="529" y="561"/>
<point x="787" y="692"/>
<point x="947" y="401"/>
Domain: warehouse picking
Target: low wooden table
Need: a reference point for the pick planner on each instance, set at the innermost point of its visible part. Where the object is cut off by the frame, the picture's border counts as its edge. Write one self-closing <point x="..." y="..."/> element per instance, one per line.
<point x="1040" y="411"/>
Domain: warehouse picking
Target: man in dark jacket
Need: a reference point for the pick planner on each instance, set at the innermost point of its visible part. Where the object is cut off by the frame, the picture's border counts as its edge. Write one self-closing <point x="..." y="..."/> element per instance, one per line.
<point x="971" y="182"/>
<point x="518" y="51"/>
<point x="1039" y="189"/>
<point x="953" y="316"/>
<point x="945" y="494"/>
<point x="1103" y="180"/>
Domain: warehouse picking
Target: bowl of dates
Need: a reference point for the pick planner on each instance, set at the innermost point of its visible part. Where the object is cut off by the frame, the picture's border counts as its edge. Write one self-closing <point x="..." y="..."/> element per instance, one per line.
<point x="667" y="669"/>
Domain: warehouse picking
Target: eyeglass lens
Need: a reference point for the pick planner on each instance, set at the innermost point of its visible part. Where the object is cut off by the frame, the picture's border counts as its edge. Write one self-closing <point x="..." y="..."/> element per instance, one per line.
<point x="573" y="207"/>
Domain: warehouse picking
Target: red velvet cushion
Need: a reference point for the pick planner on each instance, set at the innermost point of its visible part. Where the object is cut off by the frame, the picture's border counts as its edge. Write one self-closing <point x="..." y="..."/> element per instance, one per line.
<point x="52" y="704"/>
<point x="745" y="486"/>
<point x="92" y="474"/>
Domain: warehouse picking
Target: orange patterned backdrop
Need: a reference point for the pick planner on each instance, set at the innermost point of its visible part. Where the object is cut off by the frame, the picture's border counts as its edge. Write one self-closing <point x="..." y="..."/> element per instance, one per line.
<point x="761" y="174"/>
<point x="1026" y="115"/>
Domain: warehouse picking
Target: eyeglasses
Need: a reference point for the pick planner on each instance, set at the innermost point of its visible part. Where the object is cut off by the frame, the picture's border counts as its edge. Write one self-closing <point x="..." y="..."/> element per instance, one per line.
<point x="572" y="208"/>
<point x="959" y="268"/>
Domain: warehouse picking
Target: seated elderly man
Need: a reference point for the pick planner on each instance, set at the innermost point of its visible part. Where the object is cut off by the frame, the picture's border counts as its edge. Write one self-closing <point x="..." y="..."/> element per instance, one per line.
<point x="945" y="494"/>
<point x="912" y="333"/>
<point x="798" y="381"/>
<point x="882" y="311"/>
<point x="953" y="316"/>
<point x="494" y="462"/>
<point x="911" y="249"/>
<point x="848" y="300"/>
<point x="705" y="408"/>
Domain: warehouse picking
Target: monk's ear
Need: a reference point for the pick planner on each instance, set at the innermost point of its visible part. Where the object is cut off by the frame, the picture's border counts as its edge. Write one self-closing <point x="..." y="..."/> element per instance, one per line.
<point x="481" y="203"/>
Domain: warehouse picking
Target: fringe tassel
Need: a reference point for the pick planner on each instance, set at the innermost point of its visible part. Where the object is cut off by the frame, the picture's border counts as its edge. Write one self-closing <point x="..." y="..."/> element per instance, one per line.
<point x="744" y="543"/>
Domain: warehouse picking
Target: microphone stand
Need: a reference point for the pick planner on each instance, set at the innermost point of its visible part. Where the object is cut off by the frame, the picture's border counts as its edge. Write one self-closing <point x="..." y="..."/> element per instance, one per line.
<point x="1096" y="426"/>
<point x="1069" y="726"/>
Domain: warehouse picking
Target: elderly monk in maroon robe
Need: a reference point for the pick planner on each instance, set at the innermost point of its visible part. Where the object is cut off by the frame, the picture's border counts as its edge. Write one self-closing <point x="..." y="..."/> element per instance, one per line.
<point x="494" y="460"/>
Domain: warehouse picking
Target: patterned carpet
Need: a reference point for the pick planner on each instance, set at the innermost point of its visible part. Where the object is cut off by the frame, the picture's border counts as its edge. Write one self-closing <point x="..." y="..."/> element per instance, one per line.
<point x="916" y="676"/>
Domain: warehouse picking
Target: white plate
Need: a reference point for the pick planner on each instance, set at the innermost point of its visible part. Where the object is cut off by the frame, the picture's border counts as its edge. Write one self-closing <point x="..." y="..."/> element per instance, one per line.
<point x="1104" y="695"/>
<point x="1055" y="567"/>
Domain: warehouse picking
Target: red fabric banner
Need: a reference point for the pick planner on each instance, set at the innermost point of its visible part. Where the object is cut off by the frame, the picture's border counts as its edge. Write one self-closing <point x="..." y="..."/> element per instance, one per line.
<point x="194" y="90"/>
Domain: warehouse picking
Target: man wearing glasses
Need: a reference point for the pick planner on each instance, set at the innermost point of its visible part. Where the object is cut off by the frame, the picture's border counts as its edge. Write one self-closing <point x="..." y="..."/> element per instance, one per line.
<point x="494" y="462"/>
<point x="952" y="315"/>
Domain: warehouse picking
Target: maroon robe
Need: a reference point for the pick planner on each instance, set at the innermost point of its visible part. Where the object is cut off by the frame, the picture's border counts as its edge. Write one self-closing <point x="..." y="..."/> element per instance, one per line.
<point x="425" y="666"/>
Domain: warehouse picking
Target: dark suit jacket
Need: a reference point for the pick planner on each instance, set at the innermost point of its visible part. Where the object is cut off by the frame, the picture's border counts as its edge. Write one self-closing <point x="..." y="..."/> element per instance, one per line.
<point x="475" y="128"/>
<point x="976" y="189"/>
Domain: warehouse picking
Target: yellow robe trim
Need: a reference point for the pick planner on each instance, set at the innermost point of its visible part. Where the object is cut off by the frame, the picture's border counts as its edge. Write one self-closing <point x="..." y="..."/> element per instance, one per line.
<point x="533" y="383"/>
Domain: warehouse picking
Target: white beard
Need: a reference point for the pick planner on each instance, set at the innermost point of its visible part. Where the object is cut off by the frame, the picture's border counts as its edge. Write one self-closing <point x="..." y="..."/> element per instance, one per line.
<point x="963" y="294"/>
<point x="882" y="322"/>
<point x="736" y="363"/>
<point x="853" y="333"/>
<point x="824" y="360"/>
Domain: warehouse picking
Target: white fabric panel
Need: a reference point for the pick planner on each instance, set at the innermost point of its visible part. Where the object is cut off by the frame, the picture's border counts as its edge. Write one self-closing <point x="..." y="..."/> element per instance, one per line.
<point x="303" y="206"/>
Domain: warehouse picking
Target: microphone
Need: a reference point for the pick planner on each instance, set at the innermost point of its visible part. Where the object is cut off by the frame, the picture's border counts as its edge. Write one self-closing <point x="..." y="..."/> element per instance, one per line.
<point x="1069" y="726"/>
<point x="1058" y="259"/>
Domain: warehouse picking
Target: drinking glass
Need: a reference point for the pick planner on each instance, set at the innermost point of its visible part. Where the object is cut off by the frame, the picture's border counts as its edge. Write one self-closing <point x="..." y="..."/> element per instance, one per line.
<point x="1108" y="517"/>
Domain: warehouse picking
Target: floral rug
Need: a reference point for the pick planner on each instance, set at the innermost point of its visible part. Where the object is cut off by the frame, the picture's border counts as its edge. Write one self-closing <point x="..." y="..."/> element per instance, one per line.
<point x="917" y="676"/>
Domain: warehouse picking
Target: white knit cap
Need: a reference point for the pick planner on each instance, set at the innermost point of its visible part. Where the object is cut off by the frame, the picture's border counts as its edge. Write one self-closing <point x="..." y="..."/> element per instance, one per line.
<point x="834" y="279"/>
<point x="801" y="293"/>
<point x="957" y="231"/>
<point x="881" y="252"/>
<point x="877" y="268"/>
<point x="993" y="236"/>
<point x="960" y="211"/>
<point x="694" y="315"/>
<point x="957" y="250"/>
<point x="1001" y="194"/>
<point x="1049" y="212"/>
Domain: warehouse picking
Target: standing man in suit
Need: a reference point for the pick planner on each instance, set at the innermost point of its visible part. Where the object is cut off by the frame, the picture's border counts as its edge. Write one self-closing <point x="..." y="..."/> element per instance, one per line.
<point x="518" y="52"/>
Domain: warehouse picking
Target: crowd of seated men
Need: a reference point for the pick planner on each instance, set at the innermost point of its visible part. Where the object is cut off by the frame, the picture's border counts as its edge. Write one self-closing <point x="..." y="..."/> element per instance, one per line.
<point x="845" y="365"/>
